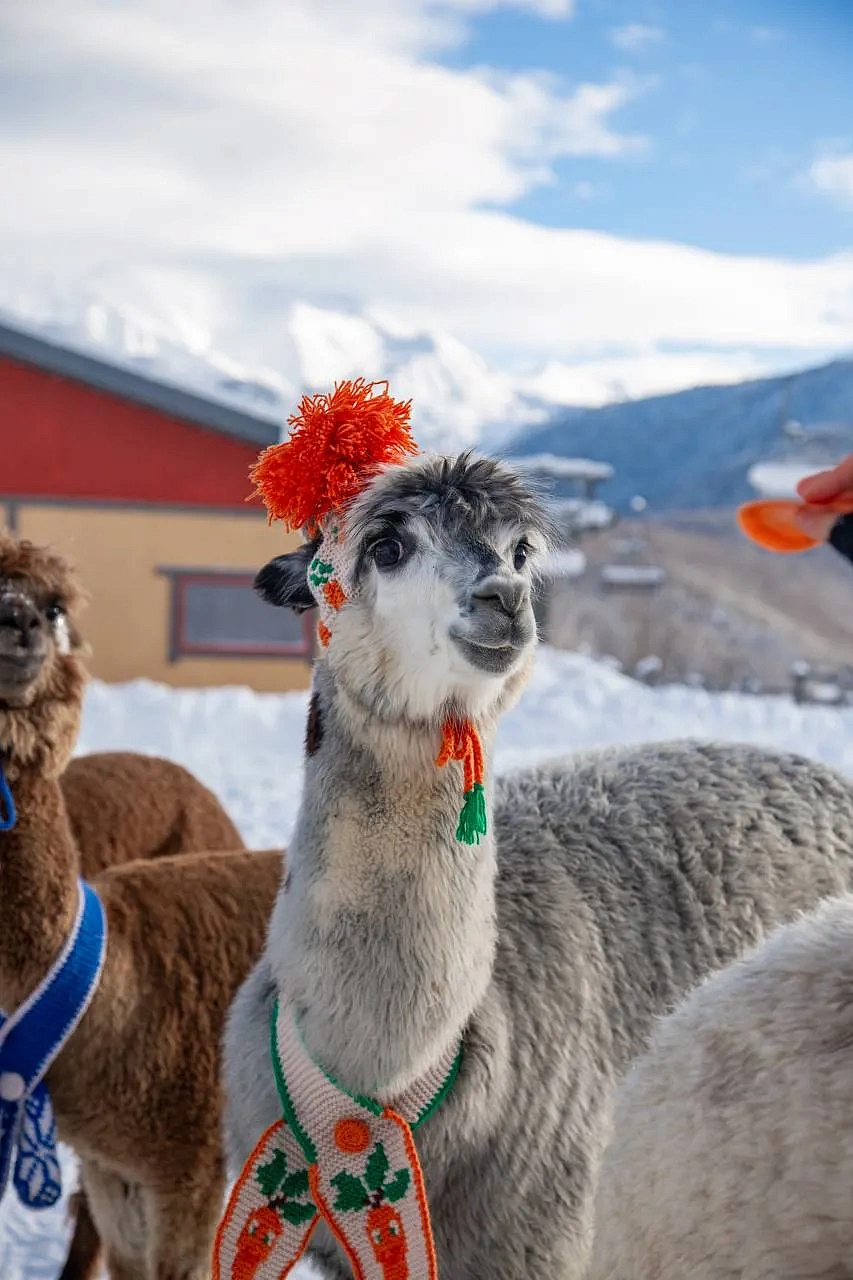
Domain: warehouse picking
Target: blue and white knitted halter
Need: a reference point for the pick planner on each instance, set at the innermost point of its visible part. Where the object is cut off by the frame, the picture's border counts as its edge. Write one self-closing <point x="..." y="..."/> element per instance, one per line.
<point x="30" y="1040"/>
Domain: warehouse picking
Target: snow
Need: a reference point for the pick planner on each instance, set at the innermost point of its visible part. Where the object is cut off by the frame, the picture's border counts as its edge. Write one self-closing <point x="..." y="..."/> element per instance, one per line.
<point x="566" y="562"/>
<point x="582" y="514"/>
<point x="632" y="575"/>
<point x="779" y="479"/>
<point x="560" y="468"/>
<point x="247" y="747"/>
<point x="601" y="380"/>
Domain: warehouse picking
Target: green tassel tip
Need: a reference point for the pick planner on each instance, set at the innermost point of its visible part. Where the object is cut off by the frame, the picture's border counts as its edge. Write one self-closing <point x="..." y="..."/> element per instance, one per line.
<point x="472" y="819"/>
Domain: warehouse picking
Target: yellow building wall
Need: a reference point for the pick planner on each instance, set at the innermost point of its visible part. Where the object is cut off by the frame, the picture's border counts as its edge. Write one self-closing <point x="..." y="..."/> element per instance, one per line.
<point x="118" y="552"/>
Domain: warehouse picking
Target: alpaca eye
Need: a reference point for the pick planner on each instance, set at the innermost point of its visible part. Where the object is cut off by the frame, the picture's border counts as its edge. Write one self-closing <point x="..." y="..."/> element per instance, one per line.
<point x="54" y="612"/>
<point x="522" y="551"/>
<point x="387" y="553"/>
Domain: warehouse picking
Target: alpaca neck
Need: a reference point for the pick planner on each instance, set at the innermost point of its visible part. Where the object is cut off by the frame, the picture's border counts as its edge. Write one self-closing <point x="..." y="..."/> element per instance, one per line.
<point x="384" y="934"/>
<point x="39" y="867"/>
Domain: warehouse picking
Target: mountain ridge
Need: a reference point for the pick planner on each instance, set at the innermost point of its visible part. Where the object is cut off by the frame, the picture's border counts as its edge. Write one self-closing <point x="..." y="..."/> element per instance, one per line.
<point x="692" y="449"/>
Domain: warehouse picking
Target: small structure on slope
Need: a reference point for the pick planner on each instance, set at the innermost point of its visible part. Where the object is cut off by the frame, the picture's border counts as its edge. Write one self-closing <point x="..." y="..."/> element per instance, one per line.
<point x="572" y="482"/>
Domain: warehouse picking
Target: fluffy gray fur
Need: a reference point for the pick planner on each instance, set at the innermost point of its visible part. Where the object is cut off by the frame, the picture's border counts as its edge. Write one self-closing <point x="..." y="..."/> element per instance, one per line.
<point x="731" y="1157"/>
<point x="607" y="886"/>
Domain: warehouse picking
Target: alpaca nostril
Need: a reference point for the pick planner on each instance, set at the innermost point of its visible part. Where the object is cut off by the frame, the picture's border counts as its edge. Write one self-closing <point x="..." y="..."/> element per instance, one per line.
<point x="22" y="620"/>
<point x="508" y="595"/>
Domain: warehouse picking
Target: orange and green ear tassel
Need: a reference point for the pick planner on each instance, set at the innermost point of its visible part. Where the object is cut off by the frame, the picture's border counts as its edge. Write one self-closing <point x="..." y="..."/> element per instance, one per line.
<point x="460" y="741"/>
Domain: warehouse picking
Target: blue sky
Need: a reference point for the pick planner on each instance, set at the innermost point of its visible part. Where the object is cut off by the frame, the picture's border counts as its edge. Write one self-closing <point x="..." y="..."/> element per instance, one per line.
<point x="582" y="199"/>
<point x="736" y="98"/>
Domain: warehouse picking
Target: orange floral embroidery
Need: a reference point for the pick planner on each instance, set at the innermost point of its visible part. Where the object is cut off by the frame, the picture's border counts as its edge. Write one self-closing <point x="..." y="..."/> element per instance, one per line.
<point x="352" y="1136"/>
<point x="335" y="594"/>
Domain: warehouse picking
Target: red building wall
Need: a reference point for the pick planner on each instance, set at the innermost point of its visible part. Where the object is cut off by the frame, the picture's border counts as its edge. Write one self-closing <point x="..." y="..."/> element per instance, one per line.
<point x="61" y="439"/>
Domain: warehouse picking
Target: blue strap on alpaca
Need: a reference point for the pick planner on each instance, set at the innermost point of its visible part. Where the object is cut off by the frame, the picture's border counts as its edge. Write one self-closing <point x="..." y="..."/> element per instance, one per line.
<point x="30" y="1040"/>
<point x="8" y="816"/>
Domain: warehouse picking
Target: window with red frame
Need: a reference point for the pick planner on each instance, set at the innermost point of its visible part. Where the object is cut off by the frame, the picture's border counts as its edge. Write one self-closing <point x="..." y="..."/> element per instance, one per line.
<point x="216" y="612"/>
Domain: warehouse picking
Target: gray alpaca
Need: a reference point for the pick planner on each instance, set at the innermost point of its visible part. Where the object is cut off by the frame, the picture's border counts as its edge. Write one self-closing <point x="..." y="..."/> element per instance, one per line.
<point x="607" y="886"/>
<point x="732" y="1149"/>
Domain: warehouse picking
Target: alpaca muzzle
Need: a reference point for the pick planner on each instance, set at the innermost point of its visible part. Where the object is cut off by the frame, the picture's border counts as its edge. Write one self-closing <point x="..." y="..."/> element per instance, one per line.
<point x="497" y="625"/>
<point x="23" y="636"/>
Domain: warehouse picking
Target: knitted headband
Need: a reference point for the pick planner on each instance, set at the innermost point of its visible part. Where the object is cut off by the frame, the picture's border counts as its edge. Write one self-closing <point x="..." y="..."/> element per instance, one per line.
<point x="336" y="445"/>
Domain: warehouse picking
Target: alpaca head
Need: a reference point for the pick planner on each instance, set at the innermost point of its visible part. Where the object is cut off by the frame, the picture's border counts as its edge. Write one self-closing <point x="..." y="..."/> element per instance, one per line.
<point x="42" y="675"/>
<point x="438" y="618"/>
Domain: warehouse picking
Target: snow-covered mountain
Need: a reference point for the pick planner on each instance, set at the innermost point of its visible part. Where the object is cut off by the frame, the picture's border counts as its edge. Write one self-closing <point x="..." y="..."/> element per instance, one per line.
<point x="697" y="448"/>
<point x="458" y="400"/>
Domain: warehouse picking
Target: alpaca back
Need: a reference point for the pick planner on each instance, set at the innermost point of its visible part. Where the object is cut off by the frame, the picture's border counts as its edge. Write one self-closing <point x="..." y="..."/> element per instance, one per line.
<point x="679" y="856"/>
<point x="123" y="805"/>
<point x="624" y="877"/>
<point x="731" y="1153"/>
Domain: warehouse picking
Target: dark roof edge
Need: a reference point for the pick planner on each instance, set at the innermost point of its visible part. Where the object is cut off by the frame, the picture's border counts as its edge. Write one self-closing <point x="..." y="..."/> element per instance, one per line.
<point x="42" y="354"/>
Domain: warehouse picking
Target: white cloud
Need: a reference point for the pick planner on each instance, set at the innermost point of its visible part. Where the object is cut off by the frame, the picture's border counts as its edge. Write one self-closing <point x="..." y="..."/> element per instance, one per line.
<point x="598" y="382"/>
<point x="266" y="128"/>
<point x="833" y="175"/>
<point x="218" y="165"/>
<point x="637" y="37"/>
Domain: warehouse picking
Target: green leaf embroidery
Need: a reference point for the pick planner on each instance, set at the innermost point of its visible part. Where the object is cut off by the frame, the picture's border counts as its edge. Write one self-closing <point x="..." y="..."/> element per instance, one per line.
<point x="398" y="1186"/>
<point x="319" y="572"/>
<point x="377" y="1167"/>
<point x="296" y="1184"/>
<point x="297" y="1213"/>
<point x="270" y="1176"/>
<point x="351" y="1192"/>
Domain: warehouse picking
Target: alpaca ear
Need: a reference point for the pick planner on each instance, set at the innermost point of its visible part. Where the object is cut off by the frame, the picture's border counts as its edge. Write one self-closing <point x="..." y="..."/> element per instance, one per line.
<point x="284" y="581"/>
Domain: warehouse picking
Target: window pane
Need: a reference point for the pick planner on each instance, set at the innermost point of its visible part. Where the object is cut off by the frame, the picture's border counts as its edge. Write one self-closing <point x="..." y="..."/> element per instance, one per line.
<point x="229" y="613"/>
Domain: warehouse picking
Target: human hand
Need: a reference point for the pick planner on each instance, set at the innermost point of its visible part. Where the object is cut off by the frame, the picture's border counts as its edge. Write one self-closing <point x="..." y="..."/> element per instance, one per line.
<point x="814" y="522"/>
<point x="826" y="486"/>
<point x="818" y="490"/>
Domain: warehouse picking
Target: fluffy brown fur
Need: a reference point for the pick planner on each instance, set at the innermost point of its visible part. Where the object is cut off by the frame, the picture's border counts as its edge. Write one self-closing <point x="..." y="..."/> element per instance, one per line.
<point x="136" y="1090"/>
<point x="37" y="675"/>
<point x="123" y="806"/>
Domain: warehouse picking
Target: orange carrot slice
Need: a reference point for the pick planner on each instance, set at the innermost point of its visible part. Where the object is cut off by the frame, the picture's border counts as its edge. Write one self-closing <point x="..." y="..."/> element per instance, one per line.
<point x="772" y="524"/>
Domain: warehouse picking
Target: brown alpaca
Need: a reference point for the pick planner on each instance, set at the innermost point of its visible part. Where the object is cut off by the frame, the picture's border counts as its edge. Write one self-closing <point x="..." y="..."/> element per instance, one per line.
<point x="123" y="805"/>
<point x="136" y="1090"/>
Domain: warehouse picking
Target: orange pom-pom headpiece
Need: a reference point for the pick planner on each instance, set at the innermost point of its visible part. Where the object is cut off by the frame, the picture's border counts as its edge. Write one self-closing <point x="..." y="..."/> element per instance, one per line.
<point x="337" y="442"/>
